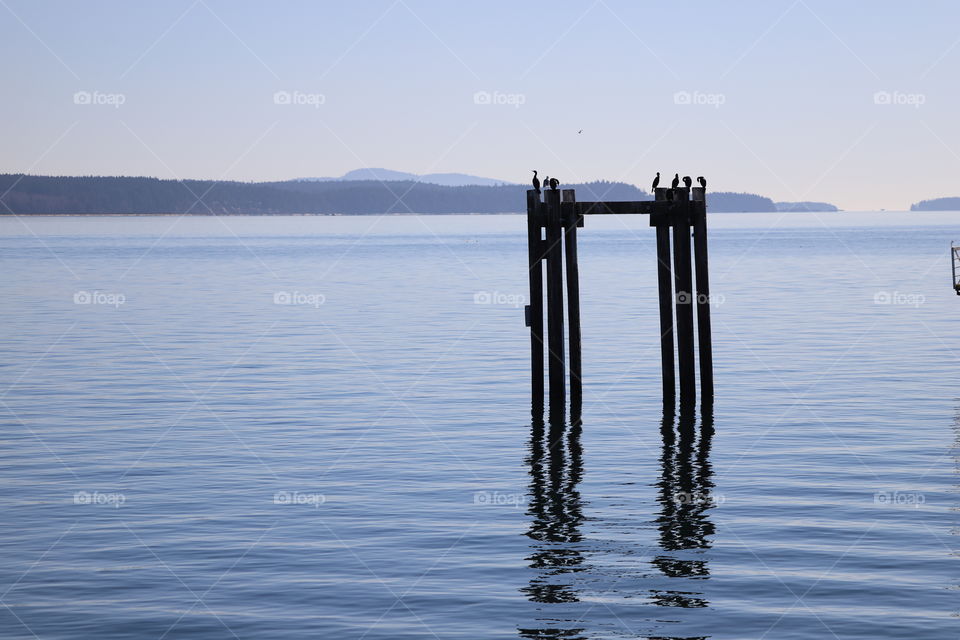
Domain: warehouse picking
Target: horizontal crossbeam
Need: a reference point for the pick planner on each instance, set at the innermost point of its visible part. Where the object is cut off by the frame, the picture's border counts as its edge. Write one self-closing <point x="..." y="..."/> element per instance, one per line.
<point x="615" y="207"/>
<point x="660" y="211"/>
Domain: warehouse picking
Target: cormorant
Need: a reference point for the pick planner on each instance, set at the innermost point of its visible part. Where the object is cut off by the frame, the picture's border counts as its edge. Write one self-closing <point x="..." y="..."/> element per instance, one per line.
<point x="687" y="181"/>
<point x="536" y="181"/>
<point x="702" y="181"/>
<point x="554" y="183"/>
<point x="676" y="181"/>
<point x="656" y="181"/>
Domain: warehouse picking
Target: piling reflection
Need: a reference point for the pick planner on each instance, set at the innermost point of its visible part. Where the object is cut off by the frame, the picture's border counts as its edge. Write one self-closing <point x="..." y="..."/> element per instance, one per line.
<point x="563" y="574"/>
<point x="685" y="497"/>
<point x="556" y="466"/>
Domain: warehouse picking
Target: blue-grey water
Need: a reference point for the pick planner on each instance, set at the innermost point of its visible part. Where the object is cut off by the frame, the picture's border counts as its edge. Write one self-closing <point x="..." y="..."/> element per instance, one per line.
<point x="319" y="427"/>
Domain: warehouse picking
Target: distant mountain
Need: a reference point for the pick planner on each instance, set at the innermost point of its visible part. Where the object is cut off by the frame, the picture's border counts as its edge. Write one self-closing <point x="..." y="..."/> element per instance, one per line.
<point x="378" y="174"/>
<point x="937" y="204"/>
<point x="805" y="206"/>
<point x="389" y="175"/>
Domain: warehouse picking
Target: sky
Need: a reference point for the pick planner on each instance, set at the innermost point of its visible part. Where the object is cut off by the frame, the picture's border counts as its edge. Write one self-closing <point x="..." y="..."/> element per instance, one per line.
<point x="853" y="103"/>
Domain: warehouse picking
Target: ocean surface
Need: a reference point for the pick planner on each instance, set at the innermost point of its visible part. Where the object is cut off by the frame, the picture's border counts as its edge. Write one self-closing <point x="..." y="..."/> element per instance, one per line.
<point x="320" y="427"/>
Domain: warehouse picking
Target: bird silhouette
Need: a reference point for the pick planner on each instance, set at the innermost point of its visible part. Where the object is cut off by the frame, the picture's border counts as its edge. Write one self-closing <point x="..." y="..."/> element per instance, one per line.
<point x="536" y="181"/>
<point x="581" y="131"/>
<point x="687" y="181"/>
<point x="676" y="181"/>
<point x="702" y="181"/>
<point x="656" y="181"/>
<point x="554" y="183"/>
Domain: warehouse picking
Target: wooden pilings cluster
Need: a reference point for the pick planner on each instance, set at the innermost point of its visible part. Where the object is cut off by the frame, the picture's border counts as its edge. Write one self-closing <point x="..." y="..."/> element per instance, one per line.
<point x="683" y="287"/>
<point x="689" y="295"/>
<point x="552" y="241"/>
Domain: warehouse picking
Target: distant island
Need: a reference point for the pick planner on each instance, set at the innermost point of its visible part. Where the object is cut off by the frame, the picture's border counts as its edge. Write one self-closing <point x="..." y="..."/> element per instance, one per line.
<point x="389" y="175"/>
<point x="102" y="195"/>
<point x="805" y="206"/>
<point x="937" y="204"/>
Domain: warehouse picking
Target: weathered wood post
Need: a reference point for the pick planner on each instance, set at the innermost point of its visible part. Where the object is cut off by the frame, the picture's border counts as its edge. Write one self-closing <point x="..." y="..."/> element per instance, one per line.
<point x="570" y="223"/>
<point x="534" y="310"/>
<point x="665" y="292"/>
<point x="698" y="212"/>
<point x="684" y="295"/>
<point x="555" y="357"/>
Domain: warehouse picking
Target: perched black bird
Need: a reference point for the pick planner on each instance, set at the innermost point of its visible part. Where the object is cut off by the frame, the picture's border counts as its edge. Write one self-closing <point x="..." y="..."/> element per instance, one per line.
<point x="702" y="181"/>
<point x="687" y="181"/>
<point x="656" y="181"/>
<point x="676" y="181"/>
<point x="536" y="181"/>
<point x="554" y="183"/>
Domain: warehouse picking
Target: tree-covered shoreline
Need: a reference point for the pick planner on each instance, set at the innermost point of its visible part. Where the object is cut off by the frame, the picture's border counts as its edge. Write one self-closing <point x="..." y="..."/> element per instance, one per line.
<point x="105" y="195"/>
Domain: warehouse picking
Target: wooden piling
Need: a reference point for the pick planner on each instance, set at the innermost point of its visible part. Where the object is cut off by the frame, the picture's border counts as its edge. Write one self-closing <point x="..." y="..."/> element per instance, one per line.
<point x="555" y="357"/>
<point x="571" y="222"/>
<point x="665" y="291"/>
<point x="698" y="214"/>
<point x="534" y="310"/>
<point x="683" y="277"/>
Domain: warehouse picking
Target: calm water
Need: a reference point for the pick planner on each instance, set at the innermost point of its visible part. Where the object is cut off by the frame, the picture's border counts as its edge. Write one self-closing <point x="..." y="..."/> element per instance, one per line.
<point x="320" y="428"/>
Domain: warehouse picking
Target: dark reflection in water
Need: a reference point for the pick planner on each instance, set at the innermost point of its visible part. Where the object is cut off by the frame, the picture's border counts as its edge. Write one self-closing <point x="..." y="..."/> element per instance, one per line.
<point x="555" y="509"/>
<point x="556" y="514"/>
<point x="685" y="501"/>
<point x="555" y="469"/>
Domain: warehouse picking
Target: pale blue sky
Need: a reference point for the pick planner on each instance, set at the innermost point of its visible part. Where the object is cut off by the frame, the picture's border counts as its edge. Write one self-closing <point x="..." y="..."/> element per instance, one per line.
<point x="786" y="91"/>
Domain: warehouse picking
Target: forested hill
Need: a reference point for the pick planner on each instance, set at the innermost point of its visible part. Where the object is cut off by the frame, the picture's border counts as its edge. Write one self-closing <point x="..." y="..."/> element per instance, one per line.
<point x="937" y="204"/>
<point x="28" y="195"/>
